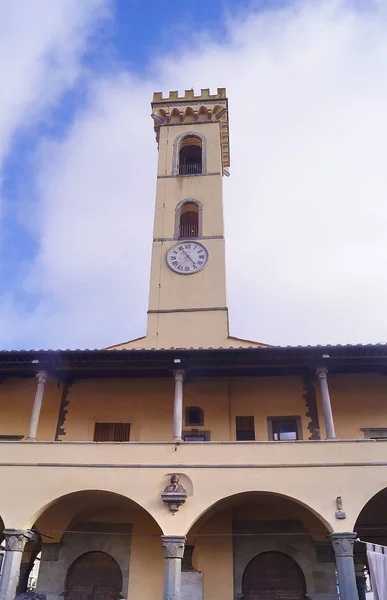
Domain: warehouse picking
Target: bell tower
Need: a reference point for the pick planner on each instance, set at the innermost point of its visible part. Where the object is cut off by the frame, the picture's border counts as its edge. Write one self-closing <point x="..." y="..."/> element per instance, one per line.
<point x="187" y="297"/>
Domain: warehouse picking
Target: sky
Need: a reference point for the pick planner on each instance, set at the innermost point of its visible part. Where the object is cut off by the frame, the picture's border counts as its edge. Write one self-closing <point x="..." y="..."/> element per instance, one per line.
<point x="305" y="206"/>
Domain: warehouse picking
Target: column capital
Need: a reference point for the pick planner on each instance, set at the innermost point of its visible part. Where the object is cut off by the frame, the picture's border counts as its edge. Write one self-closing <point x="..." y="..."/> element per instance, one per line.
<point x="42" y="376"/>
<point x="322" y="372"/>
<point x="16" y="539"/>
<point x="343" y="543"/>
<point x="173" y="545"/>
<point x="179" y="375"/>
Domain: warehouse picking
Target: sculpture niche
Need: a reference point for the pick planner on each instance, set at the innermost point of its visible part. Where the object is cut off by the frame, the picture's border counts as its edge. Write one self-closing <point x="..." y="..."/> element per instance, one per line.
<point x="174" y="495"/>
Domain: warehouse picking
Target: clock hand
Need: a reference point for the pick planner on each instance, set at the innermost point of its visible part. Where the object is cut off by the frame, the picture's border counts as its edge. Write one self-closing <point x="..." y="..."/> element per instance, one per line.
<point x="191" y="259"/>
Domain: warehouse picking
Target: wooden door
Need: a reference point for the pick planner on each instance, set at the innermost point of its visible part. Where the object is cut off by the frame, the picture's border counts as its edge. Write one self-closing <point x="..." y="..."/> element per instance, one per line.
<point x="273" y="576"/>
<point x="94" y="576"/>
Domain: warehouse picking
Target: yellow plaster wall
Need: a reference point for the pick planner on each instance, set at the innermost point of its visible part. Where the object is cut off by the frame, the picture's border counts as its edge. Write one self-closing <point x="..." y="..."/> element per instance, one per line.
<point x="146" y="549"/>
<point x="16" y="402"/>
<point x="358" y="400"/>
<point x="267" y="397"/>
<point x="208" y="190"/>
<point x="205" y="289"/>
<point x="148" y="406"/>
<point x="211" y="131"/>
<point x="213" y="556"/>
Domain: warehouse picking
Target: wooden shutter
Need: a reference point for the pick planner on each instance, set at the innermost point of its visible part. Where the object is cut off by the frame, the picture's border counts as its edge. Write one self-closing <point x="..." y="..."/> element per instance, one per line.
<point x="112" y="432"/>
<point x="245" y="428"/>
<point x="244" y="423"/>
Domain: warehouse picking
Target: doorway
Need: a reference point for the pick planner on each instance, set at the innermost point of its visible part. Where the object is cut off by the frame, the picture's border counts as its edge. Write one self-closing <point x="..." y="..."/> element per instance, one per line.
<point x="94" y="576"/>
<point x="273" y="576"/>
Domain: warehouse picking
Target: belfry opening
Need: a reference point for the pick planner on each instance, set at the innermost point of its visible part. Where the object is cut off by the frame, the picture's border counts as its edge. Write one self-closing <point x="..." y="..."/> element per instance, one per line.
<point x="190" y="156"/>
<point x="189" y="220"/>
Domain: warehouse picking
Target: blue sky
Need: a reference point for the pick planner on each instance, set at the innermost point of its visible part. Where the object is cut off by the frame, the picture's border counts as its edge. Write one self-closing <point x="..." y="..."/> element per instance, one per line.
<point x="130" y="35"/>
<point x="307" y="94"/>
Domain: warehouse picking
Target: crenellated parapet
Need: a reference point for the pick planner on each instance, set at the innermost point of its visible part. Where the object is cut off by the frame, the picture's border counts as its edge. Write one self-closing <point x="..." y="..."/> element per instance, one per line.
<point x="190" y="109"/>
<point x="190" y="95"/>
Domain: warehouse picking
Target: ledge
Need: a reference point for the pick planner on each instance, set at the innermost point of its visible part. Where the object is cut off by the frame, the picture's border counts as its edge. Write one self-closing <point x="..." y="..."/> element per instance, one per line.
<point x="195" y="455"/>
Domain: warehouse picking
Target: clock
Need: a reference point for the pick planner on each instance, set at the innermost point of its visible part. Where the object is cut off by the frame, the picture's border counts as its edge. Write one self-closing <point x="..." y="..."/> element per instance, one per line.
<point x="187" y="257"/>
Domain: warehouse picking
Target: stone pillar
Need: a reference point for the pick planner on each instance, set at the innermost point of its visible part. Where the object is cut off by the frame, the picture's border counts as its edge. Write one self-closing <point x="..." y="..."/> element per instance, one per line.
<point x="178" y="406"/>
<point x="326" y="403"/>
<point x="343" y="547"/>
<point x="361" y="580"/>
<point x="173" y="548"/>
<point x="34" y="421"/>
<point x="15" y="540"/>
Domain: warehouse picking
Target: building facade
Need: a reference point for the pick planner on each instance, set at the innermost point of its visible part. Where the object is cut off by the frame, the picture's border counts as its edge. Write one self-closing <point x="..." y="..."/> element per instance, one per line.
<point x="189" y="463"/>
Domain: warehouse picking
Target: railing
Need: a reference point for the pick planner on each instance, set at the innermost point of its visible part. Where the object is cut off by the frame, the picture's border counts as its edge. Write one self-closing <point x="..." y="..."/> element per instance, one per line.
<point x="190" y="169"/>
<point x="188" y="231"/>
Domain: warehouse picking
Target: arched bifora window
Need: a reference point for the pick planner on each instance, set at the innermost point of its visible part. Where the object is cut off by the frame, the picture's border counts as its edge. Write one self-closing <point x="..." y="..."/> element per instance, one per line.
<point x="188" y="222"/>
<point x="190" y="156"/>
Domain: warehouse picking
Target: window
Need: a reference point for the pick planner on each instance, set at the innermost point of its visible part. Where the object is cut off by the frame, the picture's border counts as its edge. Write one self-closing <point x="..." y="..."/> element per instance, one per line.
<point x="190" y="156"/>
<point x="245" y="429"/>
<point x="189" y="220"/>
<point x="375" y="433"/>
<point x="194" y="416"/>
<point x="196" y="436"/>
<point x="284" y="428"/>
<point x="112" y="432"/>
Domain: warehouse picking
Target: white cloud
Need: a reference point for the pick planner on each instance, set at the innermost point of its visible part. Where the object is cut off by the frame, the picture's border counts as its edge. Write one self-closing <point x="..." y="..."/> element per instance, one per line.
<point x="305" y="208"/>
<point x="40" y="45"/>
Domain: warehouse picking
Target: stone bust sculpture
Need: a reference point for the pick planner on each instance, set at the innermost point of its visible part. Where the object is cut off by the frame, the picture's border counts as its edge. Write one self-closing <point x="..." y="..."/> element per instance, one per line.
<point x="174" y="487"/>
<point x="174" y="494"/>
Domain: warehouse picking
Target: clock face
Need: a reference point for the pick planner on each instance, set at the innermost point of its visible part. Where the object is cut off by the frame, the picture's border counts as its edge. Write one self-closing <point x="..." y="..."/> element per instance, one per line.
<point x="187" y="257"/>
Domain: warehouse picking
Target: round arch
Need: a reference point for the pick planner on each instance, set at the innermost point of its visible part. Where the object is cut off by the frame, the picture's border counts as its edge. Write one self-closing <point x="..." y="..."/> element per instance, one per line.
<point x="178" y="208"/>
<point x="273" y="574"/>
<point x="94" y="575"/>
<point x="176" y="147"/>
<point x="233" y="498"/>
<point x="371" y="523"/>
<point x="238" y="527"/>
<point x="92" y="521"/>
<point x="34" y="518"/>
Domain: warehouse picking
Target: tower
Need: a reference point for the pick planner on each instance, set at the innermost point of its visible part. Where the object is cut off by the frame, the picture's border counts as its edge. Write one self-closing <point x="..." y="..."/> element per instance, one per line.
<point x="187" y="297"/>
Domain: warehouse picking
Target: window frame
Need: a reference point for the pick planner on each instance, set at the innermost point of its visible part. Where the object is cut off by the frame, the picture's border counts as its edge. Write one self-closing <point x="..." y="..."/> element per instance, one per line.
<point x="296" y="418"/>
<point x="368" y="431"/>
<point x="178" y="208"/>
<point x="114" y="427"/>
<point x="196" y="433"/>
<point x="176" y="152"/>
<point x="188" y="422"/>
<point x="244" y="429"/>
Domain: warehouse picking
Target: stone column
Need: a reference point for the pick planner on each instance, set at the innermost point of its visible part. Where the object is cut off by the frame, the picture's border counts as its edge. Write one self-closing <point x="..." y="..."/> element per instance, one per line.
<point x="343" y="547"/>
<point x="361" y="580"/>
<point x="326" y="403"/>
<point x="173" y="548"/>
<point x="15" y="540"/>
<point x="34" y="421"/>
<point x="178" y="406"/>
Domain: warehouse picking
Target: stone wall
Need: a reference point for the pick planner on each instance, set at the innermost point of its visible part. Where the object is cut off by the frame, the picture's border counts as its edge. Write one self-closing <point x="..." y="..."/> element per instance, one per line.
<point x="113" y="538"/>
